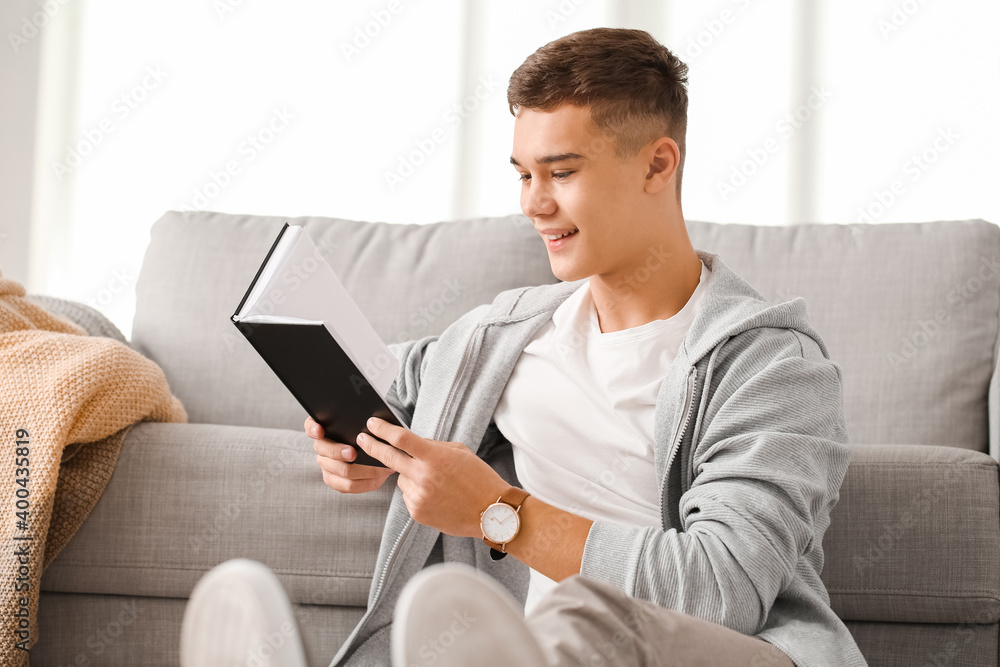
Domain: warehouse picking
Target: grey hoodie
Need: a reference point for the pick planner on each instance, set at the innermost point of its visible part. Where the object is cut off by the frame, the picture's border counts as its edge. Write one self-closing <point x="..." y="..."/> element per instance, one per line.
<point x="750" y="450"/>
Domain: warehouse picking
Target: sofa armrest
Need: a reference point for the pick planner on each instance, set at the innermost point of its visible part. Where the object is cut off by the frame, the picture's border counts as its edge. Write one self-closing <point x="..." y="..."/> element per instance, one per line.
<point x="87" y="317"/>
<point x="915" y="537"/>
<point x="185" y="497"/>
<point x="993" y="404"/>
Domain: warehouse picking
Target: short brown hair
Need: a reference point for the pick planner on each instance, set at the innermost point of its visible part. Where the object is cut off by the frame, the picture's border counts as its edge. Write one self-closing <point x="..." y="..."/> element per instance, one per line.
<point x="635" y="87"/>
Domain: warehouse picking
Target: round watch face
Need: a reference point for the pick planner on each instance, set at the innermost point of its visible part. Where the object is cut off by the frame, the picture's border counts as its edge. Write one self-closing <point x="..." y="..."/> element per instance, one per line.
<point x="500" y="523"/>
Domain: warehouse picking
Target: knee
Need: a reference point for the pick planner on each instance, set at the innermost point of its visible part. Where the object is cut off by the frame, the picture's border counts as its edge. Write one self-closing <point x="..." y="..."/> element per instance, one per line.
<point x="577" y="588"/>
<point x="576" y="596"/>
<point x="587" y="597"/>
<point x="577" y="585"/>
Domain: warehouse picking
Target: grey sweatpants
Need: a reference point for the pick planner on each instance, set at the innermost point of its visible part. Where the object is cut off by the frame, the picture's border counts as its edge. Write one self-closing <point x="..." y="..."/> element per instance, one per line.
<point x="584" y="623"/>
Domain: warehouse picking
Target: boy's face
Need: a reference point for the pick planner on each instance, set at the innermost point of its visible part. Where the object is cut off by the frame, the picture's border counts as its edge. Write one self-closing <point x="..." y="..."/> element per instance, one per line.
<point x="571" y="179"/>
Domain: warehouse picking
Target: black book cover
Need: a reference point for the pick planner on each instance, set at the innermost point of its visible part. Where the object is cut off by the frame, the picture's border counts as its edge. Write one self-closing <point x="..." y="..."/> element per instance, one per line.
<point x="319" y="374"/>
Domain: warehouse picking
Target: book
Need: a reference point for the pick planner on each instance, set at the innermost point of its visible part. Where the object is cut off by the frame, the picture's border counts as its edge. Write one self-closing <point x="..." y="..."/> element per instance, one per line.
<point x="304" y="324"/>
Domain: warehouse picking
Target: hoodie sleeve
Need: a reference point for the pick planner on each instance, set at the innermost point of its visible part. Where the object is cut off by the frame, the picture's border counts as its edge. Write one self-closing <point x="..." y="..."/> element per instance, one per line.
<point x="412" y="355"/>
<point x="770" y="452"/>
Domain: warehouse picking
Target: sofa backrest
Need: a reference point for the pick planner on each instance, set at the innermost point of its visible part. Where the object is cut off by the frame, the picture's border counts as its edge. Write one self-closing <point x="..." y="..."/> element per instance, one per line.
<point x="409" y="281"/>
<point x="911" y="312"/>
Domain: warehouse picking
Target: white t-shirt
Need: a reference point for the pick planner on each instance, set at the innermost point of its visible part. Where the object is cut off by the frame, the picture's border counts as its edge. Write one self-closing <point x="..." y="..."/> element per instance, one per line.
<point x="579" y="409"/>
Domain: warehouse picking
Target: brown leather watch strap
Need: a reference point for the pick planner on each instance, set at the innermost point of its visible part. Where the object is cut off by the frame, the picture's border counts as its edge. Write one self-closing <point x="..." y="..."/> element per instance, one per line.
<point x="514" y="497"/>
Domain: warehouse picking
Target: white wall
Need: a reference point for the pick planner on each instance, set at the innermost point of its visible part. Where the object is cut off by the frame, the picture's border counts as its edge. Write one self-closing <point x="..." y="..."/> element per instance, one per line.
<point x="18" y="86"/>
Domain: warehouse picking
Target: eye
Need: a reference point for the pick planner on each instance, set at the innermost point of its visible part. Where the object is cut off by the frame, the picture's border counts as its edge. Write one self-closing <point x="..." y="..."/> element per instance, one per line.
<point x="524" y="178"/>
<point x="561" y="175"/>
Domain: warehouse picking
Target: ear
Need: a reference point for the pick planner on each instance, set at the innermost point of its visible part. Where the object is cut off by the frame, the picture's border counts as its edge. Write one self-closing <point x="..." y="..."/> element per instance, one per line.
<point x="664" y="156"/>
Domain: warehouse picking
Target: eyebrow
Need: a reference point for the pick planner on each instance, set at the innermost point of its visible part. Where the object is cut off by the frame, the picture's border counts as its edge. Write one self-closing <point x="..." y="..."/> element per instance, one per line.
<point x="548" y="159"/>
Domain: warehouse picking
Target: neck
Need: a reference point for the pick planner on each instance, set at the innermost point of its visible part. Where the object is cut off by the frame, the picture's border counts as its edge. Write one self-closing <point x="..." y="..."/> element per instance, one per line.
<point x="654" y="285"/>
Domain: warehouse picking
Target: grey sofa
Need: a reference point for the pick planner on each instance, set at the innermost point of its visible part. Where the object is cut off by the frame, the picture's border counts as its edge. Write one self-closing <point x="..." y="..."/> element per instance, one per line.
<point x="910" y="311"/>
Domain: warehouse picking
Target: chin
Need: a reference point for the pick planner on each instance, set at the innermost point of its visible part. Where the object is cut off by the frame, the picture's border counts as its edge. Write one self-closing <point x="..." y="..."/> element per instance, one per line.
<point x="567" y="274"/>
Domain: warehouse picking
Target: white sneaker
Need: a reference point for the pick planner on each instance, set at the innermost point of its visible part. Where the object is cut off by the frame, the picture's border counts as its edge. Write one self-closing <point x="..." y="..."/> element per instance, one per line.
<point x="451" y="615"/>
<point x="239" y="614"/>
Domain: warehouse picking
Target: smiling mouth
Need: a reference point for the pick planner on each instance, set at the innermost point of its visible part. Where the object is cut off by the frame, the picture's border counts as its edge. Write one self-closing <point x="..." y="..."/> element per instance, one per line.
<point x="558" y="243"/>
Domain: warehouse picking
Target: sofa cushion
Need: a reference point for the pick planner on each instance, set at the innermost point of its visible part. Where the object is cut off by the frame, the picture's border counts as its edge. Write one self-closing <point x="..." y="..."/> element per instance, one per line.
<point x="927" y="644"/>
<point x="186" y="497"/>
<point x="914" y="537"/>
<point x="92" y="630"/>
<point x="909" y="311"/>
<point x="408" y="280"/>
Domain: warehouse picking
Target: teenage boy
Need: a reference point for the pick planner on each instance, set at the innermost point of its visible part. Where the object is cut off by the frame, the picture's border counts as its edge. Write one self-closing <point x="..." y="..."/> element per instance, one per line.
<point x="645" y="455"/>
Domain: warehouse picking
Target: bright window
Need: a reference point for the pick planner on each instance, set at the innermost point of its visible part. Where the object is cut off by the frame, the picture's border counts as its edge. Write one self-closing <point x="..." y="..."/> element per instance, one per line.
<point x="395" y="110"/>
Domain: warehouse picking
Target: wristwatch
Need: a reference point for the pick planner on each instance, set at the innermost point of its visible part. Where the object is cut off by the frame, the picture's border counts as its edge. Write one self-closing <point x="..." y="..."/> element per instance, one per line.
<point x="501" y="521"/>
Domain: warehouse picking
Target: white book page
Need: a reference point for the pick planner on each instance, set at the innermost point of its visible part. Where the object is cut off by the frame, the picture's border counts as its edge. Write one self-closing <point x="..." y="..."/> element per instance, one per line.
<point x="274" y="264"/>
<point x="306" y="288"/>
<point x="276" y="319"/>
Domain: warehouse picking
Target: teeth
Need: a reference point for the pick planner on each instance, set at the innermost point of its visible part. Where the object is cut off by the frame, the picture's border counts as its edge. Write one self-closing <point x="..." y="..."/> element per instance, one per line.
<point x="554" y="238"/>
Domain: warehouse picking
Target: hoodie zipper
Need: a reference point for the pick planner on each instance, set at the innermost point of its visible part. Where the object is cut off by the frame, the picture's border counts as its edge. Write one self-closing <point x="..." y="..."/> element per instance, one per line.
<point x="681" y="428"/>
<point x="389" y="560"/>
<point x="409" y="522"/>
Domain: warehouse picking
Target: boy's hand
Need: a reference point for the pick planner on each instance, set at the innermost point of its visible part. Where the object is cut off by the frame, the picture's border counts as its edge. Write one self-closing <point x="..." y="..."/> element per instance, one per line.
<point x="445" y="486"/>
<point x="334" y="459"/>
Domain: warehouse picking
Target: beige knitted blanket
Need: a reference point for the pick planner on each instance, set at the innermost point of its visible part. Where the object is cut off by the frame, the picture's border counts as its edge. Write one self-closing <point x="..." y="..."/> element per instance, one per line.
<point x="67" y="400"/>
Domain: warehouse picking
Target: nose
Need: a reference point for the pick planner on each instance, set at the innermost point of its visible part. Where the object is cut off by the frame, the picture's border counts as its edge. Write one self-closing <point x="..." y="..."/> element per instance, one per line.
<point x="536" y="200"/>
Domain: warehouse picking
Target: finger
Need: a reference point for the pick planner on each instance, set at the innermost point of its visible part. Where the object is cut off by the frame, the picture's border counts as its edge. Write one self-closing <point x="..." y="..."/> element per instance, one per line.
<point x="393" y="458"/>
<point x="312" y="429"/>
<point x="401" y="438"/>
<point x="350" y="485"/>
<point x="346" y="470"/>
<point x="337" y="451"/>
